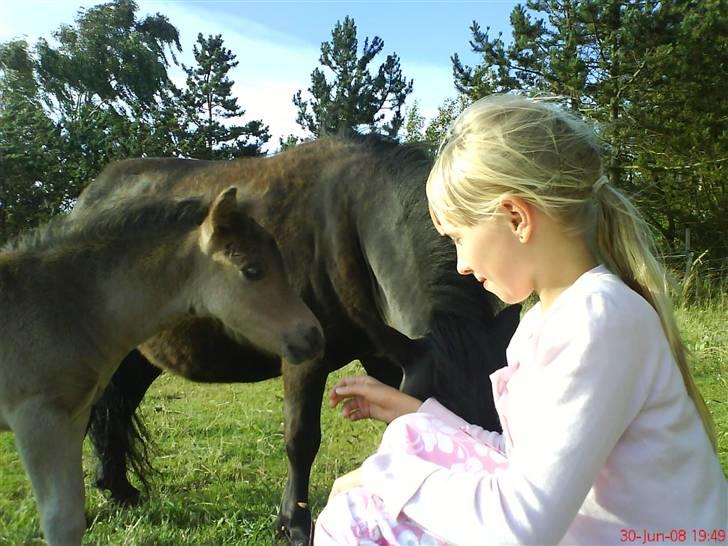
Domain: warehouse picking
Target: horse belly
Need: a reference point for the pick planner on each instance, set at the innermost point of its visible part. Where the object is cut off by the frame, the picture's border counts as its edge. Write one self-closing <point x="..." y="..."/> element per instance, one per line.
<point x="199" y="350"/>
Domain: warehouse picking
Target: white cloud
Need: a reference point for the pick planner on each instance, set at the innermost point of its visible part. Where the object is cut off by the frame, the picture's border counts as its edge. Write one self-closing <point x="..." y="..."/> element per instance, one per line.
<point x="432" y="85"/>
<point x="270" y="101"/>
<point x="33" y="19"/>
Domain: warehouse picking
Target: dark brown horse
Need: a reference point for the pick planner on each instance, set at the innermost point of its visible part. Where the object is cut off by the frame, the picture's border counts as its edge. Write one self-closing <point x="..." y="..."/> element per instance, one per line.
<point x="350" y="217"/>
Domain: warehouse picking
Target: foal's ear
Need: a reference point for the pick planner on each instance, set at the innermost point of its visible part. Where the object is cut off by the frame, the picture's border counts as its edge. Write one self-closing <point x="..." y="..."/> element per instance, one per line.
<point x="224" y="207"/>
<point x="220" y="214"/>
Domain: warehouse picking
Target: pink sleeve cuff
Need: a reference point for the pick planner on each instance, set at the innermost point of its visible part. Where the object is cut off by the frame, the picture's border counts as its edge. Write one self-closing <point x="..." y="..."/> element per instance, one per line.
<point x="493" y="439"/>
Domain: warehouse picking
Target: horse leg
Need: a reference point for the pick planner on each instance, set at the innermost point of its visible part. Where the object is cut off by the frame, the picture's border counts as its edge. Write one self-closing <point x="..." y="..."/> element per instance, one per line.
<point x="304" y="388"/>
<point x="50" y="446"/>
<point x="116" y="432"/>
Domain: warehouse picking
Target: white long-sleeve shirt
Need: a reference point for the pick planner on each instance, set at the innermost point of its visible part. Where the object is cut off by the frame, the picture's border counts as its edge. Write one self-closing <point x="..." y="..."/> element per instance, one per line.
<point x="603" y="442"/>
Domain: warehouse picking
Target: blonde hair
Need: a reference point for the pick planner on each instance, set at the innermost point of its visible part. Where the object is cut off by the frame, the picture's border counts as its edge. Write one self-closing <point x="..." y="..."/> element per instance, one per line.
<point x="505" y="144"/>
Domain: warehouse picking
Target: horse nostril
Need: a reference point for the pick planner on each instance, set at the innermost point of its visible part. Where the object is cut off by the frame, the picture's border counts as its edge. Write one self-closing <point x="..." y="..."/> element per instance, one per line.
<point x="315" y="339"/>
<point x="305" y="344"/>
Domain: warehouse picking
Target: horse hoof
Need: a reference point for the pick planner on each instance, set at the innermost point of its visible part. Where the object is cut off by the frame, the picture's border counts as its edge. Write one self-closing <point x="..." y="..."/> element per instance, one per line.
<point x="294" y="536"/>
<point x="127" y="499"/>
<point x="126" y="495"/>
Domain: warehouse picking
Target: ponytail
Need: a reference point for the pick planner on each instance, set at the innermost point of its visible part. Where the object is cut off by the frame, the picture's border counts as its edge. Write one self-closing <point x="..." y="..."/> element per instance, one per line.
<point x="624" y="244"/>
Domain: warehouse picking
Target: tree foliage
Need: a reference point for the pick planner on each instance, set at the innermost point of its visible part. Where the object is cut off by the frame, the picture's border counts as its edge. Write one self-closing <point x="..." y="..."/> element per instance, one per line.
<point x="70" y="107"/>
<point x="649" y="74"/>
<point x="99" y="91"/>
<point x="30" y="186"/>
<point x="414" y="124"/>
<point x="446" y="113"/>
<point x="108" y="58"/>
<point x="418" y="129"/>
<point x="354" y="97"/>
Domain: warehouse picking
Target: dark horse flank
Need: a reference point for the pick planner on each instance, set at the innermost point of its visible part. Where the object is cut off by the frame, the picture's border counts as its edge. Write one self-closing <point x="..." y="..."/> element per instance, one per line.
<point x="351" y="219"/>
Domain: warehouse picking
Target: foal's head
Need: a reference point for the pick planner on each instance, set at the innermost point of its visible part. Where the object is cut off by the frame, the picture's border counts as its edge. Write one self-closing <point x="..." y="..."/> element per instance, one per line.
<point x="243" y="283"/>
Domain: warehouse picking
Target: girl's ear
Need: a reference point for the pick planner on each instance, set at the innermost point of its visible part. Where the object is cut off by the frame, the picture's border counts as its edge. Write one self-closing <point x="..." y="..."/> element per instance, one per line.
<point x="520" y="216"/>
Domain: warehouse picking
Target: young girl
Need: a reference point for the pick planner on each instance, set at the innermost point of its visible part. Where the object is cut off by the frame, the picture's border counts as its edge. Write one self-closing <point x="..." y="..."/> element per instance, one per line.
<point x="606" y="439"/>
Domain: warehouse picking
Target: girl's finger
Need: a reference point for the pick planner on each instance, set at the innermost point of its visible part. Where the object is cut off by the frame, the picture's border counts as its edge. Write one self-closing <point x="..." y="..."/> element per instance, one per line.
<point x="340" y="393"/>
<point x="361" y="386"/>
<point x="340" y="389"/>
<point x="353" y="415"/>
<point x="351" y="409"/>
<point x="353" y="389"/>
<point x="334" y="398"/>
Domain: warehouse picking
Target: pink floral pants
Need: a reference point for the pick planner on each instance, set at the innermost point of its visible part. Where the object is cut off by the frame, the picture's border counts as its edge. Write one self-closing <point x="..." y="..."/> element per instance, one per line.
<point x="357" y="517"/>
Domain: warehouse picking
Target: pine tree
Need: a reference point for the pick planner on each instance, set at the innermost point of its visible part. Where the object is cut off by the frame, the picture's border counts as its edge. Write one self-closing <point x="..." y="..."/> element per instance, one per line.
<point x="210" y="103"/>
<point x="354" y="98"/>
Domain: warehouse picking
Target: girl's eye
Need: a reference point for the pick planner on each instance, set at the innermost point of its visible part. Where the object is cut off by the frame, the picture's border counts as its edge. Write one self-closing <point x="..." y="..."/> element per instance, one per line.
<point x="252" y="271"/>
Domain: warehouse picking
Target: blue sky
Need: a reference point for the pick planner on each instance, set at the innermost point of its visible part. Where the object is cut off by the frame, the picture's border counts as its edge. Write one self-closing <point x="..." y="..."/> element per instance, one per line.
<point x="278" y="42"/>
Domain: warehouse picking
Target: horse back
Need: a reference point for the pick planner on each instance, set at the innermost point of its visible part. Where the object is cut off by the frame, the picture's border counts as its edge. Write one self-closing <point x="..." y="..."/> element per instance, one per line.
<point x="135" y="178"/>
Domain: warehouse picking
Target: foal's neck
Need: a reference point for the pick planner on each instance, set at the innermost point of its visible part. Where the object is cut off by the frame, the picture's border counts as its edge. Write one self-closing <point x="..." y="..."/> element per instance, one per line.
<point x="111" y="295"/>
<point x="148" y="290"/>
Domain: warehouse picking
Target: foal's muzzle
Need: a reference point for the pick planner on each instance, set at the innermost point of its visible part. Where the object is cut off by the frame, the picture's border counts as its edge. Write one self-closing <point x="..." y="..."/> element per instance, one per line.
<point x="302" y="344"/>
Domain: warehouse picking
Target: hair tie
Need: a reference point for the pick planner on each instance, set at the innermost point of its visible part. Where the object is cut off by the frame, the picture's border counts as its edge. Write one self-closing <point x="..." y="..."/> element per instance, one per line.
<point x="601" y="181"/>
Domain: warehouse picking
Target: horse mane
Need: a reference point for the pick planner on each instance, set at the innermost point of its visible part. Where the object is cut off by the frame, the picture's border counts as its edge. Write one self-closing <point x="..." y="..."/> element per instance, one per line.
<point x="410" y="165"/>
<point x="117" y="222"/>
<point x="475" y="352"/>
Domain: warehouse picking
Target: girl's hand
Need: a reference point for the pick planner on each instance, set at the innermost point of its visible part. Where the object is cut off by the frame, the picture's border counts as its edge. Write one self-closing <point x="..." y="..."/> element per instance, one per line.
<point x="367" y="398"/>
<point x="346" y="482"/>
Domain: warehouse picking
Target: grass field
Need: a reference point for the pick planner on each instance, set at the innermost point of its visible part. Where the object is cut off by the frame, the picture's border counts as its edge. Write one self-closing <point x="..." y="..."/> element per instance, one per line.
<point x="223" y="465"/>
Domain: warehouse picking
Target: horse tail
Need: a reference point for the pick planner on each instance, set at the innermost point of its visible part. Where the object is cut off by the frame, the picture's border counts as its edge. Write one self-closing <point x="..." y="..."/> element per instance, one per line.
<point x="117" y="432"/>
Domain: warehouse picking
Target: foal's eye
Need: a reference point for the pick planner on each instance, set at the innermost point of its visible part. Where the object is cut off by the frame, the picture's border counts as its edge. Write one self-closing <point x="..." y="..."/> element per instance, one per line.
<point x="231" y="251"/>
<point x="252" y="271"/>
